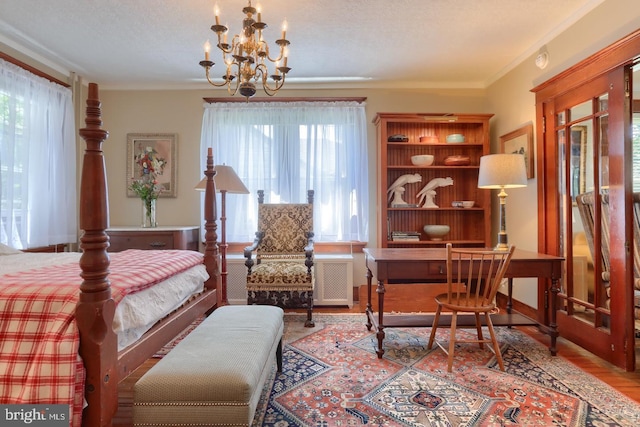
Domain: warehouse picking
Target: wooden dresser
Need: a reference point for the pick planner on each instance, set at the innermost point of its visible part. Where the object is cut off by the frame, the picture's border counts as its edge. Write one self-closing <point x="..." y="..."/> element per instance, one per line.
<point x="164" y="237"/>
<point x="61" y="247"/>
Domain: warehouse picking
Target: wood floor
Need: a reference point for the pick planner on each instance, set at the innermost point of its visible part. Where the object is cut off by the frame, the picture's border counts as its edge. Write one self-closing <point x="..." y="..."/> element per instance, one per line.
<point x="627" y="383"/>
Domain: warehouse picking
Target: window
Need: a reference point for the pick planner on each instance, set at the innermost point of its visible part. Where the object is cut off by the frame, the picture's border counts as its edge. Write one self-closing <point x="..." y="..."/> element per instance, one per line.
<point x="286" y="149"/>
<point x="37" y="161"/>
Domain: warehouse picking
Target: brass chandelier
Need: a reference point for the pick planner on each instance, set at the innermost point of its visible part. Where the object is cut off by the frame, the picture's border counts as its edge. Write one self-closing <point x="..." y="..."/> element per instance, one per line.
<point x="247" y="55"/>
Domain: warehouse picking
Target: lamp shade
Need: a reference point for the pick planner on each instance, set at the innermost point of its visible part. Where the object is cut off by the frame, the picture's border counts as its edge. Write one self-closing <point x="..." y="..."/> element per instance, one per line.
<point x="226" y="179"/>
<point x="502" y="171"/>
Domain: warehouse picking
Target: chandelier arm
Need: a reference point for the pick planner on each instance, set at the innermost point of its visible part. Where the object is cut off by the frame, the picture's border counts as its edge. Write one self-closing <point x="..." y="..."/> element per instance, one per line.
<point x="261" y="74"/>
<point x="268" y="56"/>
<point x="225" y="48"/>
<point x="235" y="44"/>
<point x="211" y="81"/>
<point x="233" y="91"/>
<point x="271" y="90"/>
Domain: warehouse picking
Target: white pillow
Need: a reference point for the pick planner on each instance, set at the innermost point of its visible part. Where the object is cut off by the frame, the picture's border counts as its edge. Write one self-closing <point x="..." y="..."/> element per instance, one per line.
<point x="8" y="250"/>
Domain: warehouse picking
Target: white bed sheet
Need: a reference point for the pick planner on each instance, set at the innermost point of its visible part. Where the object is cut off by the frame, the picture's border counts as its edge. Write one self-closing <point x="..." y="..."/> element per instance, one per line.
<point x="137" y="312"/>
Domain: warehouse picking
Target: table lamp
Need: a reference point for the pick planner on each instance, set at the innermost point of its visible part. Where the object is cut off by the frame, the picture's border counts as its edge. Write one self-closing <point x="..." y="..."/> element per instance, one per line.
<point x="500" y="171"/>
<point x="227" y="181"/>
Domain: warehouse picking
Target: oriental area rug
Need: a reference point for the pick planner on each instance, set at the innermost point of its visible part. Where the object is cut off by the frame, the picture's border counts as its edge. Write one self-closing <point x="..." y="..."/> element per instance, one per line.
<point x="332" y="377"/>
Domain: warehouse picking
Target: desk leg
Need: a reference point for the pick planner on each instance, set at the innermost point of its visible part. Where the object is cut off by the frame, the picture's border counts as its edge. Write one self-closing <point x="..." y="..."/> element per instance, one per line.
<point x="380" y="333"/>
<point x="553" y="326"/>
<point x="368" y="310"/>
<point x="510" y="295"/>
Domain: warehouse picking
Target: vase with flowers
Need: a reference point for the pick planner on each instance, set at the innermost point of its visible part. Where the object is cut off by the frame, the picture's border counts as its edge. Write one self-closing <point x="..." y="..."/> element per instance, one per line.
<point x="146" y="186"/>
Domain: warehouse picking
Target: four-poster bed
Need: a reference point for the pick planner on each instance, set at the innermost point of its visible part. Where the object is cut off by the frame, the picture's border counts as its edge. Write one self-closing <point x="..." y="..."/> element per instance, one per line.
<point x="101" y="361"/>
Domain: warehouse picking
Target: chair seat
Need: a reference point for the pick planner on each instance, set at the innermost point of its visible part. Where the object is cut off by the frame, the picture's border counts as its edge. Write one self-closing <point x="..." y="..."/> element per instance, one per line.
<point x="280" y="275"/>
<point x="463" y="304"/>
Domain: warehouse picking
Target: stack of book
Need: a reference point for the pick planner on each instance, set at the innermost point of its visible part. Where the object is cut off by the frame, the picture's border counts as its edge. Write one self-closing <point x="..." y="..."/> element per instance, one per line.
<point x="405" y="235"/>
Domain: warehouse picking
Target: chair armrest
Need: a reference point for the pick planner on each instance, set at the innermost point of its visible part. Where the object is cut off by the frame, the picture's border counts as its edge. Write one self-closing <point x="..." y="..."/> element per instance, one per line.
<point x="248" y="251"/>
<point x="308" y="253"/>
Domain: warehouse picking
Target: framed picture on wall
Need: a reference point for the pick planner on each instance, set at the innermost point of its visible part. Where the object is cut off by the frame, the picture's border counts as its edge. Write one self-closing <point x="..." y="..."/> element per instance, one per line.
<point x="520" y="141"/>
<point x="156" y="152"/>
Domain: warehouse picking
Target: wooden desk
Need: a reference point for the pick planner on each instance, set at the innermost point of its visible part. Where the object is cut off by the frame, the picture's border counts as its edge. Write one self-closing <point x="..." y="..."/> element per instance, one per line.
<point x="406" y="265"/>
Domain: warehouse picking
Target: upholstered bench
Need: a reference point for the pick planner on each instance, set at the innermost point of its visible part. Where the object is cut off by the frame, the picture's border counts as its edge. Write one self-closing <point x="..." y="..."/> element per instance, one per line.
<point x="216" y="374"/>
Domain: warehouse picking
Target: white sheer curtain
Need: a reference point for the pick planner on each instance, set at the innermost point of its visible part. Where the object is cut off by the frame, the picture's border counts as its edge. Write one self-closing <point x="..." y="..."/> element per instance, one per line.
<point x="286" y="149"/>
<point x="37" y="160"/>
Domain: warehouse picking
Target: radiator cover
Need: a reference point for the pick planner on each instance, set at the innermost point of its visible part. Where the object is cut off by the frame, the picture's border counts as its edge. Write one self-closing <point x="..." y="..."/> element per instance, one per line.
<point x="334" y="280"/>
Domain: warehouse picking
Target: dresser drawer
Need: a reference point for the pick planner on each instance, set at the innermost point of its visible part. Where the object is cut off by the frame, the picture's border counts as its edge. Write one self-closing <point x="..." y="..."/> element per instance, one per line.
<point x="157" y="238"/>
<point x="141" y="241"/>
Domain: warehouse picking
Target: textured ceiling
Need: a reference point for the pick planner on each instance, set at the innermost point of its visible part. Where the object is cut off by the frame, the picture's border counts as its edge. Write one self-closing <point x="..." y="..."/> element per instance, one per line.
<point x="367" y="43"/>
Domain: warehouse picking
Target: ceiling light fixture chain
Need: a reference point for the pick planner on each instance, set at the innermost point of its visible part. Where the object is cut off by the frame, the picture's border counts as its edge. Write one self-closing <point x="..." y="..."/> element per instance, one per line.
<point x="247" y="55"/>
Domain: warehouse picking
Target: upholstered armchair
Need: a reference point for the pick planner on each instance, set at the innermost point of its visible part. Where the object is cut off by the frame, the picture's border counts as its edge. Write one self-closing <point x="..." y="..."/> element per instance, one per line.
<point x="280" y="261"/>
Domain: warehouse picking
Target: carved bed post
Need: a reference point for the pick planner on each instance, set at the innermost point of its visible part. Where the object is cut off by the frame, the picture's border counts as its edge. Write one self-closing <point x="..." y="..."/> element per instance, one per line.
<point x="211" y="252"/>
<point x="95" y="309"/>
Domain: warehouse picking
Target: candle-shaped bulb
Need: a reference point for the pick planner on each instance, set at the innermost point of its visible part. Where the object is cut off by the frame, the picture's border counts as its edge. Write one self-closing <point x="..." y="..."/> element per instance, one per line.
<point x="284" y="29"/>
<point x="277" y="66"/>
<point x="259" y="9"/>
<point x="286" y="55"/>
<point x="216" y="12"/>
<point x="207" y="49"/>
<point x="225" y="36"/>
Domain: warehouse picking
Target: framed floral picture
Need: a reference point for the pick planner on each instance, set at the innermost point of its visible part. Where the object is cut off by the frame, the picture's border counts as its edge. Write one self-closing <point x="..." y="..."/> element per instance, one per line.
<point x="152" y="162"/>
<point x="520" y="141"/>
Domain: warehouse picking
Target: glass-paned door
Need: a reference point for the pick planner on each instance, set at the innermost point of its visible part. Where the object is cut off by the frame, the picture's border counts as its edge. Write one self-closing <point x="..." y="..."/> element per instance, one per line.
<point x="583" y="186"/>
<point x="589" y="199"/>
<point x="593" y="281"/>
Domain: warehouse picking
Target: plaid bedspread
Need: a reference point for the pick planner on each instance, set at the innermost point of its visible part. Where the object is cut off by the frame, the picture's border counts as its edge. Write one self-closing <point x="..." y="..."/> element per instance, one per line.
<point x="39" y="339"/>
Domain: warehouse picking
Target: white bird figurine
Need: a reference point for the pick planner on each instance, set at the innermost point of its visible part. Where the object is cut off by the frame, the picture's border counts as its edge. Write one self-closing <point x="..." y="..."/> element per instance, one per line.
<point x="400" y="183"/>
<point x="428" y="193"/>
